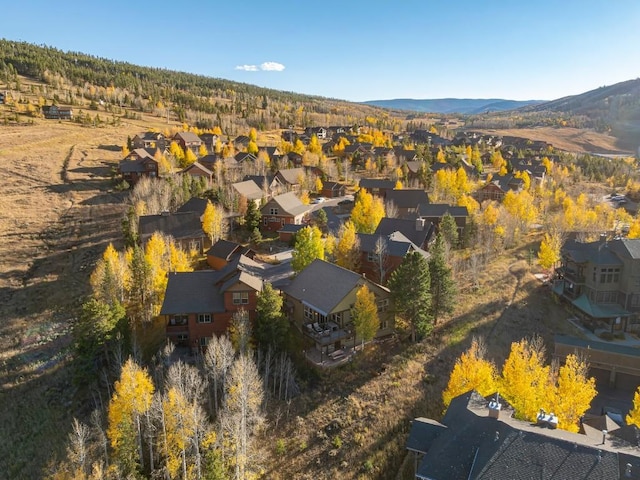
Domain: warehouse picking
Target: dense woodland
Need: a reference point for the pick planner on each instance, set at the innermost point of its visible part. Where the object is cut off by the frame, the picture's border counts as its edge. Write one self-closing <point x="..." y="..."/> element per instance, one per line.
<point x="219" y="416"/>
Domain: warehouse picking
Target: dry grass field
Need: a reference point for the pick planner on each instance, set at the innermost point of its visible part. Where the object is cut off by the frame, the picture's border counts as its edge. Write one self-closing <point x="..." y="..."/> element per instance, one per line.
<point x="57" y="214"/>
<point x="569" y="139"/>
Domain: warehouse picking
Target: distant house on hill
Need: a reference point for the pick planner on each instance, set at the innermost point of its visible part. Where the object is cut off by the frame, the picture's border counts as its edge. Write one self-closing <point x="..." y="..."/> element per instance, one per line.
<point x="498" y="186"/>
<point x="149" y="140"/>
<point x="188" y="140"/>
<point x="138" y="164"/>
<point x="184" y="227"/>
<point x="197" y="170"/>
<point x="54" y="112"/>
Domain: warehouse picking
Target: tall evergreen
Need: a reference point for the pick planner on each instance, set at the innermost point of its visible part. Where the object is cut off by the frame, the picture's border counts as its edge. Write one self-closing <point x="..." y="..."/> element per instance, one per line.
<point x="410" y="286"/>
<point x="443" y="288"/>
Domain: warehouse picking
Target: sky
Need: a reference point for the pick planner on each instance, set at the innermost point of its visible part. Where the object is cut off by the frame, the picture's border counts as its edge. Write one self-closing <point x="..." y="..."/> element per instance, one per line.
<point x="355" y="50"/>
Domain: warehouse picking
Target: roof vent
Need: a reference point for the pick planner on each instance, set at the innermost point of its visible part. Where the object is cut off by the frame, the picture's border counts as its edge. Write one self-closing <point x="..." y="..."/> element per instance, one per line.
<point x="497" y="437"/>
<point x="627" y="470"/>
<point x="494" y="407"/>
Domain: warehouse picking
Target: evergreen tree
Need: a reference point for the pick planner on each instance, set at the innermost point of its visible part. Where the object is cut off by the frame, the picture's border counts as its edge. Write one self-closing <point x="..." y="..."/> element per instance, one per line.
<point x="449" y="230"/>
<point x="270" y="325"/>
<point x="443" y="289"/>
<point x="252" y="217"/>
<point x="410" y="286"/>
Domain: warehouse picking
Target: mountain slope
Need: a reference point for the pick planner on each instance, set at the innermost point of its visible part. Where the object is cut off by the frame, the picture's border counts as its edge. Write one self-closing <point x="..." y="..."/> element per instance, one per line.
<point x="453" y="105"/>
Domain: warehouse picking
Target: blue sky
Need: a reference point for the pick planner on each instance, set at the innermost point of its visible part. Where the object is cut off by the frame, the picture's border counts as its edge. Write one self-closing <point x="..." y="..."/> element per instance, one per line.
<point x="353" y="50"/>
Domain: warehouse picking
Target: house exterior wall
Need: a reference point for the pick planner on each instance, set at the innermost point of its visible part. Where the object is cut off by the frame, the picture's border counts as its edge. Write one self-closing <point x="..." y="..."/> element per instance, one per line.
<point x="216" y="263"/>
<point x="371" y="271"/>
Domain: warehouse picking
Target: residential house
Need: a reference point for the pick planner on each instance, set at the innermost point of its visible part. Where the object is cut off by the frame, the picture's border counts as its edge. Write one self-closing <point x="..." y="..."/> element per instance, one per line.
<point x="283" y="209"/>
<point x="184" y="227"/>
<point x="406" y="201"/>
<point x="619" y="364"/>
<point x="377" y="186"/>
<point x="139" y="163"/>
<point x="269" y="184"/>
<point x="478" y="439"/>
<point x="224" y="252"/>
<point x="209" y="140"/>
<point x="418" y="231"/>
<point x="241" y="142"/>
<point x="273" y="152"/>
<point x="403" y="155"/>
<point x="209" y="161"/>
<point x="188" y="140"/>
<point x="149" y="140"/>
<point x="333" y="189"/>
<point x="291" y="158"/>
<point x="601" y="280"/>
<point x="433" y="213"/>
<point x="319" y="132"/>
<point x="291" y="178"/>
<point x="194" y="204"/>
<point x="319" y="301"/>
<point x="533" y="166"/>
<point x="197" y="170"/>
<point x="243" y="157"/>
<point x="497" y="187"/>
<point x="250" y="190"/>
<point x="200" y="304"/>
<point x="380" y="255"/>
<point x="287" y="232"/>
<point x="57" y="113"/>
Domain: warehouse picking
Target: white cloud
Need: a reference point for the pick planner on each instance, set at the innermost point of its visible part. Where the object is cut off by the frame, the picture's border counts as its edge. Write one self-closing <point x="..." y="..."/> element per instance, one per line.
<point x="247" y="68"/>
<point x="272" y="67"/>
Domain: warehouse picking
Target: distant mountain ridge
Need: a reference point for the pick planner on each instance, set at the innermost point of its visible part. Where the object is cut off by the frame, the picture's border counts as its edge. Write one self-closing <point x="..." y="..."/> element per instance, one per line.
<point x="467" y="106"/>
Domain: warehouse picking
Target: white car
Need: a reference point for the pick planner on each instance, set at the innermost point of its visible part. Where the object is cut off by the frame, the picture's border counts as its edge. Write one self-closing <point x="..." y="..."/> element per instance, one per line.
<point x="319" y="200"/>
<point x="617" y="198"/>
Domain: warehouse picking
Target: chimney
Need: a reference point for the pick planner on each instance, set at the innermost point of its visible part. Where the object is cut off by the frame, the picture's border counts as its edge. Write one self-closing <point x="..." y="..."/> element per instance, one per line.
<point x="419" y="224"/>
<point x="494" y="407"/>
<point x="164" y="213"/>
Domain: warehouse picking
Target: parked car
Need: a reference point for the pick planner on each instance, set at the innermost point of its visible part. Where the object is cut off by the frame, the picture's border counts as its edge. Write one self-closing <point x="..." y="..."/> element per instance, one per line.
<point x="319" y="200"/>
<point x="617" y="198"/>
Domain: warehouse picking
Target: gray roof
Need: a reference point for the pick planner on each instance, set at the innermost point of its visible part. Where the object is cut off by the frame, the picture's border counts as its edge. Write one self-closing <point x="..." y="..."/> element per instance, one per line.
<point x="244" y="157"/>
<point x="478" y="447"/>
<point x="178" y="225"/>
<point x="224" y="249"/>
<point x="598" y="252"/>
<point x="291" y="228"/>
<point x="439" y="209"/>
<point x="423" y="432"/>
<point x="248" y="189"/>
<point x="394" y="248"/>
<point x="370" y="183"/>
<point x="323" y="285"/>
<point x="506" y="182"/>
<point x="387" y="226"/>
<point x="626" y="247"/>
<point x="199" y="166"/>
<point x="194" y="204"/>
<point x="600" y="346"/>
<point x="202" y="291"/>
<point x="409" y="198"/>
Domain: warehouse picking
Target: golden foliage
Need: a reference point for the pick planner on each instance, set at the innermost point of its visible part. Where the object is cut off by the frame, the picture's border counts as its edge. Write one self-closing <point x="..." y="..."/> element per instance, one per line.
<point x="367" y="212"/>
<point x="471" y="372"/>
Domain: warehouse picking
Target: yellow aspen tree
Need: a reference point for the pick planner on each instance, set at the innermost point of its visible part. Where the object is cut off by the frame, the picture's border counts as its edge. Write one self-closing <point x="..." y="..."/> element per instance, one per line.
<point x="633" y="418"/>
<point x="178" y="429"/>
<point x="398" y="185"/>
<point x="549" y="253"/>
<point x="298" y="146"/>
<point x="110" y="276"/>
<point x="462" y="184"/>
<point x="526" y="179"/>
<point x="365" y="315"/>
<point x="202" y="151"/>
<point x="176" y="151"/>
<point x="496" y="160"/>
<point x="367" y="212"/>
<point x="471" y="203"/>
<point x="634" y="229"/>
<point x="318" y="185"/>
<point x="125" y="151"/>
<point x="525" y="379"/>
<point x="217" y="131"/>
<point x="314" y="145"/>
<point x="471" y="372"/>
<point x="304" y="198"/>
<point x="253" y="135"/>
<point x="252" y="147"/>
<point x="212" y="221"/>
<point x="347" y="251"/>
<point x="440" y="157"/>
<point x="489" y="215"/>
<point x="189" y="158"/>
<point x="573" y="393"/>
<point x="132" y="397"/>
<point x="308" y="246"/>
<point x="179" y="259"/>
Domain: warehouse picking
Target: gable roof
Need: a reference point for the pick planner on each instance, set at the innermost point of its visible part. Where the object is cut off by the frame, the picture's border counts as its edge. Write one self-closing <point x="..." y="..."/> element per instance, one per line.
<point x="383" y="183"/>
<point x="598" y="252"/>
<point x="188" y="137"/>
<point x="290" y="204"/>
<point x="329" y="185"/>
<point x="202" y="291"/>
<point x="179" y="225"/>
<point x="244" y="157"/>
<point x="194" y="204"/>
<point x="506" y="182"/>
<point x="224" y="249"/>
<point x="197" y="166"/>
<point x="396" y="245"/>
<point x="440" y="209"/>
<point x="248" y="189"/>
<point x="291" y="175"/>
<point x="477" y="447"/>
<point x="336" y="282"/>
<point x="418" y="236"/>
<point x="407" y="198"/>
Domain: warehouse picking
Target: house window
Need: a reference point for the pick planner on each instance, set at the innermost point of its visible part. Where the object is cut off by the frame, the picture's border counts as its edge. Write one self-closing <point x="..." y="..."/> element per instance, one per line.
<point x="609" y="275"/>
<point x="176" y="320"/>
<point x="240" y="298"/>
<point x="204" y="318"/>
<point x="273" y="211"/>
<point x="635" y="301"/>
<point x="265" y="221"/>
<point x="204" y="341"/>
<point x="372" y="257"/>
<point x="183" y="337"/>
<point x="607" y="297"/>
<point x="383" y="305"/>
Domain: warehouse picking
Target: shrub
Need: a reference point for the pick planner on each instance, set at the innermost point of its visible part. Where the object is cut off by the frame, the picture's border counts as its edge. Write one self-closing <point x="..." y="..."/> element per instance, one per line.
<point x="337" y="441"/>
<point x="281" y="447"/>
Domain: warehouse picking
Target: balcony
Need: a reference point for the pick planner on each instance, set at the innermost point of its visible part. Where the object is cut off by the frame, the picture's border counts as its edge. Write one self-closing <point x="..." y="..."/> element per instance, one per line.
<point x="570" y="275"/>
<point x="326" y="333"/>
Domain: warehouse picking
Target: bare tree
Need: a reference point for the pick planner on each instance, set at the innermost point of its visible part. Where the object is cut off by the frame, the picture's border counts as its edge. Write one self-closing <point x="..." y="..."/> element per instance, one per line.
<point x="391" y="210"/>
<point x="217" y="360"/>
<point x="78" y="448"/>
<point x="381" y="256"/>
<point x="242" y="414"/>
